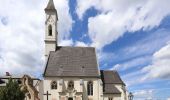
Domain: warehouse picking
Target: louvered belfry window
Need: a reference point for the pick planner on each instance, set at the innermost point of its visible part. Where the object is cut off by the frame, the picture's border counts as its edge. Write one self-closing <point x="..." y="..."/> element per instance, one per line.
<point x="49" y="30"/>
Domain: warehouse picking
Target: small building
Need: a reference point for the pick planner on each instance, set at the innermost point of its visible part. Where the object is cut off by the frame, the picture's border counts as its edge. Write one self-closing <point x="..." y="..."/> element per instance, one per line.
<point x="34" y="82"/>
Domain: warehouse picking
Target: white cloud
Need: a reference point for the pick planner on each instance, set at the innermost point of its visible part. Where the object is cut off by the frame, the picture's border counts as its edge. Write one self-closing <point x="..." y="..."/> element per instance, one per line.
<point x="136" y="54"/>
<point x="83" y="5"/>
<point x="102" y="31"/>
<point x="66" y="43"/>
<point x="65" y="20"/>
<point x="132" y="63"/>
<point x="160" y="67"/>
<point x="105" y="56"/>
<point x="143" y="94"/>
<point x="22" y="34"/>
<point x="148" y="45"/>
<point x="81" y="44"/>
<point x="118" y="16"/>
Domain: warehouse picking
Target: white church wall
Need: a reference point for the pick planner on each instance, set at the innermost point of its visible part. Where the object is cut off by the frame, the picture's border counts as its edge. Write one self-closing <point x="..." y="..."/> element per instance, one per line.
<point x="96" y="89"/>
<point x="114" y="96"/>
<point x="77" y="86"/>
<point x="47" y="87"/>
<point x="121" y="88"/>
<point x="51" y="47"/>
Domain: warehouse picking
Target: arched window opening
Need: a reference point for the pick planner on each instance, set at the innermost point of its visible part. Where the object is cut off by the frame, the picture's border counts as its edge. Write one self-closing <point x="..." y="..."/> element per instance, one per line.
<point x="70" y="85"/>
<point x="90" y="88"/>
<point x="70" y="98"/>
<point x="49" y="30"/>
<point x="54" y="85"/>
<point x="110" y="98"/>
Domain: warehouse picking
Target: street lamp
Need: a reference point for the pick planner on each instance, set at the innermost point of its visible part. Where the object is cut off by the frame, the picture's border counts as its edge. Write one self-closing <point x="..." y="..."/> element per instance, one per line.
<point x="130" y="96"/>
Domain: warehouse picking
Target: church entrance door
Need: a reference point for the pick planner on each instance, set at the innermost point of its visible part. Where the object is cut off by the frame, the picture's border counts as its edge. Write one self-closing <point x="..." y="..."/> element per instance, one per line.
<point x="70" y="98"/>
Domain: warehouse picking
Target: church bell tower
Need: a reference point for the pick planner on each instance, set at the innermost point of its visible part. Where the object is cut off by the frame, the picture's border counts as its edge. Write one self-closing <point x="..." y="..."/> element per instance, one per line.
<point x="50" y="28"/>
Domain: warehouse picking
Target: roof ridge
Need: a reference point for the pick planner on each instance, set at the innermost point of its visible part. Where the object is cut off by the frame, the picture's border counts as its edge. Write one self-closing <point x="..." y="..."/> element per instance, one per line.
<point x="73" y="47"/>
<point x="109" y="70"/>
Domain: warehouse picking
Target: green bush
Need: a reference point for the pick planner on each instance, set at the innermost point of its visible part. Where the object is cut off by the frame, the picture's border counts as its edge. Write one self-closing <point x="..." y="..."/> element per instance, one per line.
<point x="11" y="91"/>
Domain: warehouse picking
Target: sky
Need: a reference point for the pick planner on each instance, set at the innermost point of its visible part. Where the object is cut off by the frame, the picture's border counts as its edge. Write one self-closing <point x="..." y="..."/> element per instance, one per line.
<point x="130" y="36"/>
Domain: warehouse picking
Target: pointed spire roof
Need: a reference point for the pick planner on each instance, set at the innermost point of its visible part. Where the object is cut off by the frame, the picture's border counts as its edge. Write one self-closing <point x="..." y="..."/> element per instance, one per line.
<point x="50" y="6"/>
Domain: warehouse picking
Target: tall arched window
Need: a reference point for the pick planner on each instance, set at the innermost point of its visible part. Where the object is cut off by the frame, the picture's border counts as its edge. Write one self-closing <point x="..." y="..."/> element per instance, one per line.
<point x="90" y="88"/>
<point x="53" y="85"/>
<point x="49" y="30"/>
<point x="70" y="85"/>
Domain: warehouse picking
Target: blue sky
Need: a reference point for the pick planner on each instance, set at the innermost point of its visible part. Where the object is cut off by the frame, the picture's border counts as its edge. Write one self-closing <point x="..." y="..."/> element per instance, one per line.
<point x="130" y="36"/>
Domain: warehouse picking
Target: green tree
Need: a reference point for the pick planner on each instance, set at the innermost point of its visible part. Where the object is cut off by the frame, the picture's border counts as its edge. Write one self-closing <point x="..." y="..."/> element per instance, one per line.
<point x="12" y="91"/>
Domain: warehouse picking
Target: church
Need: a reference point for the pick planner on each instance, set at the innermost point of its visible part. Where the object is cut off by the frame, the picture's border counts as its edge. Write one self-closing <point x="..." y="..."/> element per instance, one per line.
<point x="72" y="73"/>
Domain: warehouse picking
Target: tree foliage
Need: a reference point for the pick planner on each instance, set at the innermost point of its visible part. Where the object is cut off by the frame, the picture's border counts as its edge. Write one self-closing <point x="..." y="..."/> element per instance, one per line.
<point x="11" y="91"/>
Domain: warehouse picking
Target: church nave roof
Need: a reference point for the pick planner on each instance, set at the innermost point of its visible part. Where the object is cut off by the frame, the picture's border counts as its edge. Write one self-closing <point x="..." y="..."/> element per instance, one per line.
<point x="72" y="61"/>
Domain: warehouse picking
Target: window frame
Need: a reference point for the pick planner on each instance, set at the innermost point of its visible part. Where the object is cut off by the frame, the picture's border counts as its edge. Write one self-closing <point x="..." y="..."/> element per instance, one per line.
<point x="54" y="85"/>
<point x="90" y="88"/>
<point x="70" y="85"/>
<point x="50" y="30"/>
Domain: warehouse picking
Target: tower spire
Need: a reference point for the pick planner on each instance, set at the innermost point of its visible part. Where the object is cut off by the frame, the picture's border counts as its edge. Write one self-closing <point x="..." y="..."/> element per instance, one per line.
<point x="50" y="6"/>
